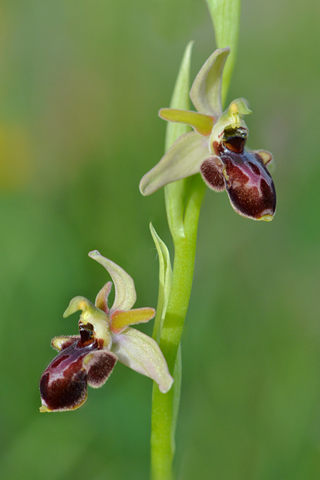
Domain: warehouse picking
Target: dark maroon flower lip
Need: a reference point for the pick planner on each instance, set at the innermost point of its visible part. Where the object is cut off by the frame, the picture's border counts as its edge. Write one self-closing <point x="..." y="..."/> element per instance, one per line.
<point x="63" y="385"/>
<point x="243" y="174"/>
<point x="249" y="185"/>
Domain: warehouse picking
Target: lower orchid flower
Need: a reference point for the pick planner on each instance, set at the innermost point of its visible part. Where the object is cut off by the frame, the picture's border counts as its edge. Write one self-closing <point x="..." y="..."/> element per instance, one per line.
<point x="215" y="148"/>
<point x="104" y="337"/>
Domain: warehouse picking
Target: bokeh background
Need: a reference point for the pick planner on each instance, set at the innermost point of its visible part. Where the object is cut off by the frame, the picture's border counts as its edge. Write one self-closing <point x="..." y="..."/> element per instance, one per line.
<point x="80" y="86"/>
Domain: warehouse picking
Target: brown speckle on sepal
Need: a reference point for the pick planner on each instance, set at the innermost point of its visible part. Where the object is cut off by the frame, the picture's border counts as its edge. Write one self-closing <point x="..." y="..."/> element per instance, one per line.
<point x="99" y="365"/>
<point x="212" y="173"/>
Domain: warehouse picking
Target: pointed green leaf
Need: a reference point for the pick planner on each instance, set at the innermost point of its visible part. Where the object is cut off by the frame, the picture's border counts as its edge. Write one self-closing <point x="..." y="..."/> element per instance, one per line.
<point x="180" y="98"/>
<point x="175" y="192"/>
<point x="165" y="274"/>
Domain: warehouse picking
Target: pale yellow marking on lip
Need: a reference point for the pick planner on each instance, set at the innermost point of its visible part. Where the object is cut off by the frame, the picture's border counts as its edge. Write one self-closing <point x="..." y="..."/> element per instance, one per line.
<point x="226" y="176"/>
<point x="235" y="117"/>
<point x="44" y="409"/>
<point x="87" y="359"/>
<point x="266" y="218"/>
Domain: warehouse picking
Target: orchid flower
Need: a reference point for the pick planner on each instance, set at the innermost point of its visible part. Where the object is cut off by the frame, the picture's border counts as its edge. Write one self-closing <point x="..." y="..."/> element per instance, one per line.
<point x="104" y="337"/>
<point x="215" y="148"/>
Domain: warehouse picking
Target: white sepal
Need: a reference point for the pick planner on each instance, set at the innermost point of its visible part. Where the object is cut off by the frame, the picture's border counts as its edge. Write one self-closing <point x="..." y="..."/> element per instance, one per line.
<point x="205" y="92"/>
<point x="181" y="160"/>
<point x="125" y="292"/>
<point x="141" y="353"/>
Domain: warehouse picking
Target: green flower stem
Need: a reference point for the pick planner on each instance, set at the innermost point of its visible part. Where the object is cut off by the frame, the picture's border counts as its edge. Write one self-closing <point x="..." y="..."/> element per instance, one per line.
<point x="182" y="276"/>
<point x="165" y="406"/>
<point x="183" y="201"/>
<point x="162" y="450"/>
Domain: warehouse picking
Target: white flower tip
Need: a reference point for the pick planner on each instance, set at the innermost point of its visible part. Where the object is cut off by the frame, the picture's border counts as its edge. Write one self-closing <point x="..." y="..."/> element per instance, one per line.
<point x="143" y="186"/>
<point x="94" y="254"/>
<point x="165" y="385"/>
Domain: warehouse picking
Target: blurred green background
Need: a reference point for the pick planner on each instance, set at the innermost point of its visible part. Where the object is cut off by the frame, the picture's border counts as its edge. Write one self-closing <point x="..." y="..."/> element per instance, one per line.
<point x="81" y="83"/>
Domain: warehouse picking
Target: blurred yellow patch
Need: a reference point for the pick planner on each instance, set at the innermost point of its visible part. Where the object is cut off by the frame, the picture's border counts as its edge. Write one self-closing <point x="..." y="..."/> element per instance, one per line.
<point x="16" y="165"/>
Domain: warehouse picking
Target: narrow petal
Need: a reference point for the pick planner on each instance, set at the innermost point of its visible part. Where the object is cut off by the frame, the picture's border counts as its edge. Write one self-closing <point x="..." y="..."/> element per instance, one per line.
<point x="60" y="343"/>
<point x="99" y="365"/>
<point x="205" y="92"/>
<point x="125" y="292"/>
<point x="212" y="173"/>
<point x="142" y="354"/>
<point x="102" y="297"/>
<point x="201" y="123"/>
<point x="120" y="320"/>
<point x="181" y="160"/>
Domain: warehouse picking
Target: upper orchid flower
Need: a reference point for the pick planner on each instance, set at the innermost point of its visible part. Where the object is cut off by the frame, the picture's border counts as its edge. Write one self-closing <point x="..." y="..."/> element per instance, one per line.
<point x="105" y="337"/>
<point x="215" y="148"/>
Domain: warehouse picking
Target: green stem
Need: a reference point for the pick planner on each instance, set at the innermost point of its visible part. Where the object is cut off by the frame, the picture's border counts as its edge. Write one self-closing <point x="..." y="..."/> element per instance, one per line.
<point x="182" y="276"/>
<point x="163" y="405"/>
<point x="183" y="201"/>
<point x="225" y="15"/>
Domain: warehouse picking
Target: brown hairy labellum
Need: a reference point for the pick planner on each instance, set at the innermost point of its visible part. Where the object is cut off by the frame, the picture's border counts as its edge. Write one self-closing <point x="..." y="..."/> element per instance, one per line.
<point x="244" y="175"/>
